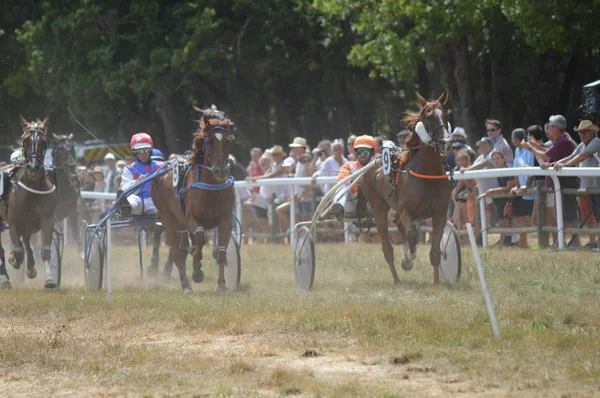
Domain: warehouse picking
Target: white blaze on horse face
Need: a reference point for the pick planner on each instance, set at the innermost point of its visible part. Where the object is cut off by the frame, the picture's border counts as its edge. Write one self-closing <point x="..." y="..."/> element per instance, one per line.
<point x="440" y="116"/>
<point x="219" y="136"/>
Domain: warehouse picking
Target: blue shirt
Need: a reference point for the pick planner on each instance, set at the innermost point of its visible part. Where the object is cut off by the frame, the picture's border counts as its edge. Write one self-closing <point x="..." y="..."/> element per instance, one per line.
<point x="524" y="158"/>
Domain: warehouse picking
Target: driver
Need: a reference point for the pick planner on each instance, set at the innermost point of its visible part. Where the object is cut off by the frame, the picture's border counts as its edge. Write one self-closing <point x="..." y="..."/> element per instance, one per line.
<point x="140" y="202"/>
<point x="364" y="147"/>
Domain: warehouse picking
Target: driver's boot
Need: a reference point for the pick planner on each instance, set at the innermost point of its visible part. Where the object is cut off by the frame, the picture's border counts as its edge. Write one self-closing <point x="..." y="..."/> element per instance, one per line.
<point x="338" y="211"/>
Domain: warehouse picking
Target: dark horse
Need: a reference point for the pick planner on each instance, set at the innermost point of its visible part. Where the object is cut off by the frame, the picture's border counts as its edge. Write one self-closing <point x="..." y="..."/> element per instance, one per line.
<point x="67" y="183"/>
<point x="207" y="194"/>
<point x="423" y="189"/>
<point x="32" y="202"/>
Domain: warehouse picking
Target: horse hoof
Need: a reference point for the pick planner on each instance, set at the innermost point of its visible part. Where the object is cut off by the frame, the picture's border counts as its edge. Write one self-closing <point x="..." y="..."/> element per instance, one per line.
<point x="198" y="276"/>
<point x="5" y="284"/>
<point x="221" y="290"/>
<point x="396" y="281"/>
<point x="413" y="256"/>
<point x="407" y="265"/>
<point x="12" y="260"/>
<point x="31" y="273"/>
<point x="187" y="288"/>
<point x="50" y="284"/>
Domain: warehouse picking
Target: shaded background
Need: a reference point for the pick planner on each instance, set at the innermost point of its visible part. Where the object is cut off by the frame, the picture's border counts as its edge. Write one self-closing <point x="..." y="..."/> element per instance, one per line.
<point x="281" y="68"/>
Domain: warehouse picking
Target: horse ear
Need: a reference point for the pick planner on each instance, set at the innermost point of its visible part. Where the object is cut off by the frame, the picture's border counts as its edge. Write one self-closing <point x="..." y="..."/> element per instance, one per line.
<point x="55" y="136"/>
<point x="45" y="123"/>
<point x="422" y="101"/>
<point x="71" y="136"/>
<point x="24" y="123"/>
<point x="443" y="99"/>
<point x="197" y="109"/>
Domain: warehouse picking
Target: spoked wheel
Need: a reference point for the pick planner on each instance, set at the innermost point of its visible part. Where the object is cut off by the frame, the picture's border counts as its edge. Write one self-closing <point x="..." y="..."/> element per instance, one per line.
<point x="304" y="259"/>
<point x="451" y="256"/>
<point x="57" y="248"/>
<point x="233" y="269"/>
<point x="94" y="264"/>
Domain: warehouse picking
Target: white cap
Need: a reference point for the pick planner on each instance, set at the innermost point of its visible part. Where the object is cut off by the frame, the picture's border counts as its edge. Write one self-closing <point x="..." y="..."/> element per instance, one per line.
<point x="109" y="156"/>
<point x="288" y="162"/>
<point x="459" y="132"/>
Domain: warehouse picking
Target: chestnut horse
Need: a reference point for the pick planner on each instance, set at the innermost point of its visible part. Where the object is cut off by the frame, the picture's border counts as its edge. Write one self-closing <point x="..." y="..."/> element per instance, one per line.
<point x="32" y="203"/>
<point x="207" y="194"/>
<point x="423" y="189"/>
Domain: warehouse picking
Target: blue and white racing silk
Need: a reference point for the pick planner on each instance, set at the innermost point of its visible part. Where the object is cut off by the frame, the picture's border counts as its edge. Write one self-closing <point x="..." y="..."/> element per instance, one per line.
<point x="140" y="201"/>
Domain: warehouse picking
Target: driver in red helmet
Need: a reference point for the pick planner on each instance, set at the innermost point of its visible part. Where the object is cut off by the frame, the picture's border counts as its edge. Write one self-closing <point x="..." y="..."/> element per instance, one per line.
<point x="140" y="202"/>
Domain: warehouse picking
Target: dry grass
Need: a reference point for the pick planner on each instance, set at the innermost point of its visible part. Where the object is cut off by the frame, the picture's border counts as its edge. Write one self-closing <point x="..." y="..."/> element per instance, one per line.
<point x="355" y="334"/>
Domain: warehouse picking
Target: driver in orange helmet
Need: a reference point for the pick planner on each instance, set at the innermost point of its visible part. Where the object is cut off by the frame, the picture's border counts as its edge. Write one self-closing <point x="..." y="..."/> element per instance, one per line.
<point x="364" y="147"/>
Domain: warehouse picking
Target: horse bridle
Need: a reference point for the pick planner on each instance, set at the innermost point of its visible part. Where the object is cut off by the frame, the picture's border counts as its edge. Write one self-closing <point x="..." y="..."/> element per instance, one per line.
<point x="34" y="138"/>
<point x="206" y="144"/>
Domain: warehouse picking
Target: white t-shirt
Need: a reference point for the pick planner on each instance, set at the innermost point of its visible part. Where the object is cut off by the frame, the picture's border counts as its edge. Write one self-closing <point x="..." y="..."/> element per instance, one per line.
<point x="330" y="168"/>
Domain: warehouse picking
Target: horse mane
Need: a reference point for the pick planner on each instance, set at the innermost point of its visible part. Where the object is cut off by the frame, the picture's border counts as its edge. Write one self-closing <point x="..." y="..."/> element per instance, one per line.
<point x="410" y="120"/>
<point x="198" y="148"/>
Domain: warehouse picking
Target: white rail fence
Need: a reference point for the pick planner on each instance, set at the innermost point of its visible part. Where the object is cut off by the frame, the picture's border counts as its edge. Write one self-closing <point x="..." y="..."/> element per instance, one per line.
<point x="291" y="183"/>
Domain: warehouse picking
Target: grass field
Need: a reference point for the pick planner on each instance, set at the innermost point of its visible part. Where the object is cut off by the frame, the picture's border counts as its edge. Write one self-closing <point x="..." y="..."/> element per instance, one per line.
<point x="355" y="334"/>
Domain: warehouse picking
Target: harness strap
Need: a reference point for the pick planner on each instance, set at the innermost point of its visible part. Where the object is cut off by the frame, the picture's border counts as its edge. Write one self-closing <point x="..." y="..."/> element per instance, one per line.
<point x="427" y="176"/>
<point x="25" y="187"/>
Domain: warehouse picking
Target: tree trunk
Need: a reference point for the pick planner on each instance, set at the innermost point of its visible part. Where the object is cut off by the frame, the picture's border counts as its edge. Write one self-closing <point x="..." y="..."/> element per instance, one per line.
<point x="464" y="84"/>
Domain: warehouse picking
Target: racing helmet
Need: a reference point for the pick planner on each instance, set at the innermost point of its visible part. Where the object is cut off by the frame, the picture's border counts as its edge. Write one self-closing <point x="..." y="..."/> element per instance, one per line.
<point x="141" y="141"/>
<point x="157" y="155"/>
<point x="365" y="141"/>
<point x="16" y="155"/>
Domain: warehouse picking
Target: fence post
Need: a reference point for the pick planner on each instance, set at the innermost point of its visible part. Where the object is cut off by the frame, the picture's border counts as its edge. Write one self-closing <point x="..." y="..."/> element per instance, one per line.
<point x="543" y="238"/>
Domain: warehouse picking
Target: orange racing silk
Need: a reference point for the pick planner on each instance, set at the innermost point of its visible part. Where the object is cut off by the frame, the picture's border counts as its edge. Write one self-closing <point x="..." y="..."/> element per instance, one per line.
<point x="346" y="170"/>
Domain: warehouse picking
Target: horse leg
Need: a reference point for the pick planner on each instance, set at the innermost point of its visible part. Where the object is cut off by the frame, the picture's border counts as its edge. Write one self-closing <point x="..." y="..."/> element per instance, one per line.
<point x="197" y="273"/>
<point x="198" y="237"/>
<point x="411" y="239"/>
<point x="46" y="251"/>
<point x="31" y="271"/>
<point x="16" y="257"/>
<point x="153" y="268"/>
<point x="74" y="226"/>
<point x="224" y="234"/>
<point x="380" y="210"/>
<point x="182" y="249"/>
<point x="439" y="223"/>
<point x="4" y="279"/>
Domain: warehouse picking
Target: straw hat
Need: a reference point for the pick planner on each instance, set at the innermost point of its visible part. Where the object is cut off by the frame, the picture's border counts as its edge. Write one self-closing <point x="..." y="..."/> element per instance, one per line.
<point x="299" y="142"/>
<point x="277" y="150"/>
<point x="587" y="125"/>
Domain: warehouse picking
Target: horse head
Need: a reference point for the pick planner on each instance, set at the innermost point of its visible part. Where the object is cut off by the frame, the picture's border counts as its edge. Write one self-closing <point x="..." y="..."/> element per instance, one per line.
<point x="216" y="132"/>
<point x="63" y="155"/>
<point x="431" y="123"/>
<point x="33" y="142"/>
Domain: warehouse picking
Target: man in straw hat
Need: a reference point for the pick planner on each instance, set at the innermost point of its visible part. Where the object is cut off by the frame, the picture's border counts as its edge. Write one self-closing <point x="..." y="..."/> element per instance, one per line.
<point x="586" y="155"/>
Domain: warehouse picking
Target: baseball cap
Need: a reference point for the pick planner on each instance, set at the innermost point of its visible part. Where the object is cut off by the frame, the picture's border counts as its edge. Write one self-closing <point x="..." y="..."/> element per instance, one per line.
<point x="459" y="144"/>
<point x="487" y="140"/>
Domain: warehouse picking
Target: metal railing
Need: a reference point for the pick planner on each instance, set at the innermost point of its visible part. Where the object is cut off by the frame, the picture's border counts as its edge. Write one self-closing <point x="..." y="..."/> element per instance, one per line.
<point x="291" y="183"/>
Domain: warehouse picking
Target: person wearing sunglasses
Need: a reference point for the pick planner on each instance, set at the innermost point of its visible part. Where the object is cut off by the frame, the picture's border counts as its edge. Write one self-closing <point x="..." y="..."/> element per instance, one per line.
<point x="364" y="148"/>
<point x="139" y="202"/>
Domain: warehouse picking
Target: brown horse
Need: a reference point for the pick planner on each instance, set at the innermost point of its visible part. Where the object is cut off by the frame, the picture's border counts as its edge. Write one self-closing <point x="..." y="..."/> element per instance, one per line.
<point x="207" y="194"/>
<point x="423" y="189"/>
<point x="32" y="202"/>
<point x="67" y="183"/>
